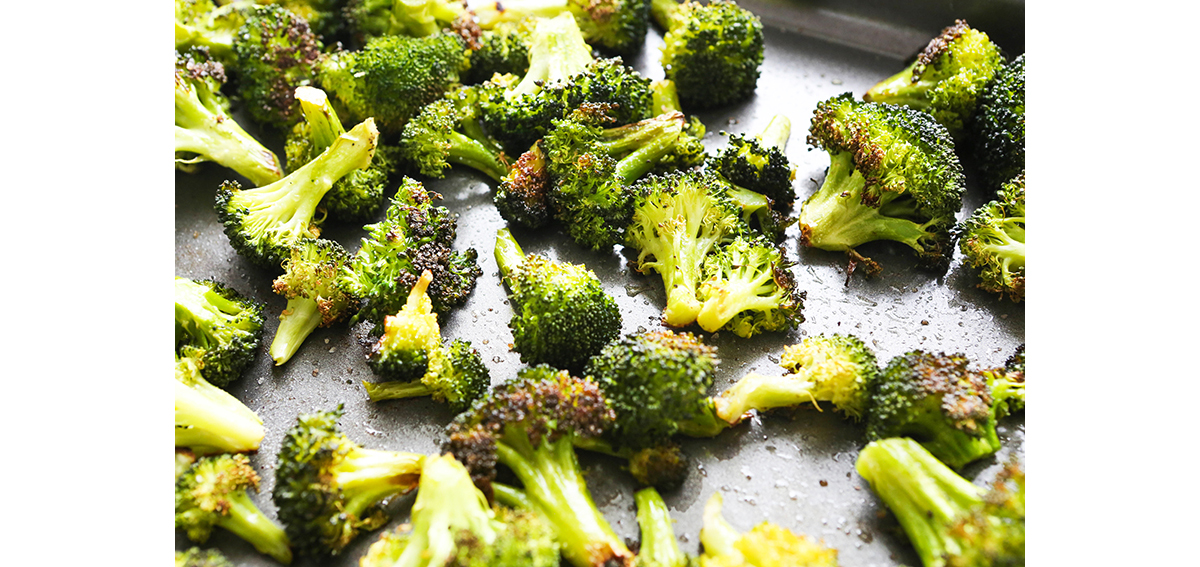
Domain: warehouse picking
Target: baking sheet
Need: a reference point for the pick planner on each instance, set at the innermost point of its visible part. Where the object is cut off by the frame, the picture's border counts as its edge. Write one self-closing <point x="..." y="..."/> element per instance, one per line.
<point x="792" y="468"/>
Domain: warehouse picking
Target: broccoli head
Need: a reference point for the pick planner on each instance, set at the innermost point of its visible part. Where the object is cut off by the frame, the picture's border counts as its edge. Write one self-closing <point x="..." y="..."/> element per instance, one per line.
<point x="1007" y="384"/>
<point x="218" y="327"/>
<point x="196" y="557"/>
<point x="993" y="240"/>
<point x="415" y="18"/>
<point x="998" y="129"/>
<point x="208" y="419"/>
<point x="435" y="139"/>
<point x="274" y="52"/>
<point x="325" y="17"/>
<point x="748" y="288"/>
<point x="316" y="295"/>
<point x="523" y="196"/>
<point x="456" y="377"/>
<point x="213" y="493"/>
<point x="765" y="545"/>
<point x="502" y="50"/>
<point x="711" y="51"/>
<point x="614" y="26"/>
<point x="760" y="164"/>
<point x="202" y="23"/>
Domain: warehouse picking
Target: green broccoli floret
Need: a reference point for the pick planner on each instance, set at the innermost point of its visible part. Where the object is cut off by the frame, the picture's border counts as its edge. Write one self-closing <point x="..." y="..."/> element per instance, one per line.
<point x="893" y="175"/>
<point x="689" y="150"/>
<point x="561" y="314"/>
<point x="208" y="419"/>
<point x="452" y="525"/>
<point x="456" y="376"/>
<point x="711" y="51"/>
<point x="993" y="240"/>
<point x="264" y="223"/>
<point x="213" y="493"/>
<point x="765" y="545"/>
<point x="614" y="26"/>
<point x="760" y="164"/>
<point x="947" y="78"/>
<point x="204" y="130"/>
<point x="316" y="295"/>
<point x="414" y="237"/>
<point x="949" y="521"/>
<point x="325" y="17"/>
<point x="748" y="289"/>
<point x="523" y="196"/>
<point x="218" y="327"/>
<point x="938" y="401"/>
<point x="274" y="52"/>
<point x="393" y="77"/>
<point x="328" y="488"/>
<point x="415" y="18"/>
<point x="202" y="23"/>
<point x="659" y="547"/>
<point x="502" y="50"/>
<point x="528" y="424"/>
<point x="411" y="338"/>
<point x="196" y="557"/>
<point x="1007" y="385"/>
<point x="998" y="129"/>
<point x="435" y="139"/>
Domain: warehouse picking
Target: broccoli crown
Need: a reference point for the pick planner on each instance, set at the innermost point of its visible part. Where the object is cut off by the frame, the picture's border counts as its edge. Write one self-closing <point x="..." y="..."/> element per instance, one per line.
<point x="654" y="381"/>
<point x="893" y="175"/>
<point x="765" y="545"/>
<point x="614" y="26"/>
<point x="712" y="52"/>
<point x="663" y="466"/>
<point x="328" y="488"/>
<point x="947" y="77"/>
<point x="993" y="240"/>
<point x="433" y="140"/>
<point x="411" y="340"/>
<point x="275" y="52"/>
<point x="938" y="401"/>
<point x="678" y="219"/>
<point x="658" y="548"/>
<point x="325" y="17"/>
<point x="949" y="521"/>
<point x="759" y="164"/>
<point x="998" y="129"/>
<point x="218" y="327"/>
<point x="196" y="557"/>
<point x="1007" y="384"/>
<point x="213" y="493"/>
<point x="415" y="236"/>
<point x="393" y="77"/>
<point x="502" y="50"/>
<point x="523" y="196"/>
<point x="201" y="23"/>
<point x="416" y="18"/>
<point x="208" y="419"/>
<point x="748" y="288"/>
<point x="317" y="297"/>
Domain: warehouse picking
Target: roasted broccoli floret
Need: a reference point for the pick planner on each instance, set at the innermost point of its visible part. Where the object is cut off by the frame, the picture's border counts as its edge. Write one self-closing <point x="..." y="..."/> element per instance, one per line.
<point x="264" y="223"/>
<point x="528" y="424"/>
<point x="947" y="78"/>
<point x="893" y="175"/>
<point x="523" y="196"/>
<point x="711" y="51"/>
<point x="435" y="139"/>
<point x="196" y="557"/>
<point x="760" y="164"/>
<point x="218" y="327"/>
<point x="415" y="18"/>
<point x="949" y="521"/>
<point x="393" y="77"/>
<point x="456" y="377"/>
<point x="204" y="130"/>
<point x="202" y="23"/>
<point x="452" y="525"/>
<point x="208" y="419"/>
<point x="316" y="295"/>
<point x="274" y="52"/>
<point x="993" y="241"/>
<point x="765" y="545"/>
<point x="328" y="488"/>
<point x="325" y="17"/>
<point x="213" y="493"/>
<point x="998" y="130"/>
<point x="658" y="548"/>
<point x="502" y="50"/>
<point x="184" y="458"/>
<point x="748" y="289"/>
<point x="615" y="26"/>
<point x="414" y="237"/>
<point x="1007" y="384"/>
<point x="561" y="314"/>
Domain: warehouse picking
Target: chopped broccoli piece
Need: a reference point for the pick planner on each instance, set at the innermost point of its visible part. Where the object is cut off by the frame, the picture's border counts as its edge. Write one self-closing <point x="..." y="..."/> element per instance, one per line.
<point x="435" y="139"/>
<point x="748" y="289"/>
<point x="325" y="17"/>
<point x="1007" y="385"/>
<point x="658" y="548"/>
<point x="218" y="327"/>
<point x="502" y="50"/>
<point x="998" y="129"/>
<point x="202" y="23"/>
<point x="711" y="51"/>
<point x="993" y="240"/>
<point x="274" y="52"/>
<point x="688" y="150"/>
<point x="614" y="26"/>
<point x="213" y="493"/>
<point x="196" y="557"/>
<point x="415" y="18"/>
<point x="208" y="419"/>
<point x="458" y="377"/>
<point x="316" y="295"/>
<point x="760" y="164"/>
<point x="523" y="196"/>
<point x="765" y="545"/>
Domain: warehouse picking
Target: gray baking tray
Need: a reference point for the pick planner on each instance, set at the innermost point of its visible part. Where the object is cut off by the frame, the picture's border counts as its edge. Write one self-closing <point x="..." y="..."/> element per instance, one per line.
<point x="792" y="468"/>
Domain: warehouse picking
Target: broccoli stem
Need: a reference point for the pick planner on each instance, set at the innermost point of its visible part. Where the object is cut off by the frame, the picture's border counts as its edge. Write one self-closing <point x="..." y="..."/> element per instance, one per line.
<point x="249" y="523"/>
<point x="367" y="476"/>
<point x="642" y="160"/>
<point x="665" y="96"/>
<point x="509" y="256"/>
<point x="512" y="497"/>
<point x="901" y="89"/>
<point x="958" y="448"/>
<point x="762" y="393"/>
<point x="464" y="150"/>
<point x="209" y="420"/>
<point x="663" y="11"/>
<point x="494" y="13"/>
<point x="217" y="137"/>
<point x="396" y="390"/>
<point x="558" y="49"/>
<point x="301" y="317"/>
<point x="659" y="546"/>
<point x="323" y="123"/>
<point x="777" y="132"/>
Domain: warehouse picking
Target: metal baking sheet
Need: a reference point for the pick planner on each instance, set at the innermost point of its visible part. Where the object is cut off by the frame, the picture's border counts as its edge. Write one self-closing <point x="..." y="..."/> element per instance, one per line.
<point x="792" y="468"/>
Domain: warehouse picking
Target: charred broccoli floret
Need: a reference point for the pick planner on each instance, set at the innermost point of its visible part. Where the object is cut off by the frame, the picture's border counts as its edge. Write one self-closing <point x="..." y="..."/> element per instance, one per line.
<point x="316" y="295"/>
<point x="561" y="314"/>
<point x="523" y="196"/>
<point x="208" y="419"/>
<point x="893" y="175"/>
<point x="264" y="223"/>
<point x="1007" y="384"/>
<point x="614" y="26"/>
<point x="204" y="130"/>
<point x="658" y="548"/>
<point x="949" y="521"/>
<point x="212" y="493"/>
<point x="218" y="327"/>
<point x="765" y="545"/>
<point x="415" y="18"/>
<point x="202" y="23"/>
<point x="196" y="557"/>
<point x="998" y="130"/>
<point x="328" y="488"/>
<point x="748" y="288"/>
<point x="711" y="51"/>
<point x="947" y="78"/>
<point x="436" y="138"/>
<point x="993" y="240"/>
<point x="528" y="424"/>
<point x="274" y="52"/>
<point x="760" y="164"/>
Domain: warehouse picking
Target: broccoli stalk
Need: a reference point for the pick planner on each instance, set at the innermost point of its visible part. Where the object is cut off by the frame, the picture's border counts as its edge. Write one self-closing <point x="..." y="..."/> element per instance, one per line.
<point x="617" y="26"/>
<point x="948" y="520"/>
<point x="213" y="493"/>
<point x="437" y="138"/>
<point x="711" y="51"/>
<point x="316" y="296"/>
<point x="659" y="547"/>
<point x="765" y="545"/>
<point x="748" y="289"/>
<point x="208" y="419"/>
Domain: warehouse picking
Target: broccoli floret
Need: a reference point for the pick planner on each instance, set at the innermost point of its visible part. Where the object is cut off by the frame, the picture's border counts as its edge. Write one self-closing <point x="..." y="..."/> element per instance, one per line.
<point x="393" y="77"/>
<point x="658" y="548"/>
<point x="949" y="521"/>
<point x="711" y="51"/>
<point x="196" y="557"/>
<point x="998" y="129"/>
<point x="204" y="130"/>
<point x="528" y="425"/>
<point x="328" y="488"/>
<point x="316" y="295"/>
<point x="760" y="164"/>
<point x="523" y="196"/>
<point x="1007" y="385"/>
<point x="456" y="376"/>
<point x="415" y="18"/>
<point x="614" y="26"/>
<point x="264" y="223"/>
<point x="202" y="23"/>
<point x="218" y="327"/>
<point x="765" y="545"/>
<point x="993" y="240"/>
<point x="414" y="237"/>
<point x="435" y="139"/>
<point x="748" y="289"/>
<point x="938" y="401"/>
<point x="411" y="338"/>
<point x="502" y="50"/>
<point x="678" y="219"/>
<point x="561" y="314"/>
<point x="208" y="419"/>
<point x="213" y="493"/>
<point x="947" y="78"/>
<point x="325" y="17"/>
<point x="452" y="525"/>
<point x="893" y="175"/>
<point x="274" y="52"/>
